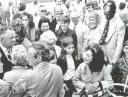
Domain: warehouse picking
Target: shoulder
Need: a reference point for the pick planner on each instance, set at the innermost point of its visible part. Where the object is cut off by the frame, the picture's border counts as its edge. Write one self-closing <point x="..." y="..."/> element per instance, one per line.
<point x="118" y="21"/>
<point x="28" y="75"/>
<point x="82" y="65"/>
<point x="56" y="68"/>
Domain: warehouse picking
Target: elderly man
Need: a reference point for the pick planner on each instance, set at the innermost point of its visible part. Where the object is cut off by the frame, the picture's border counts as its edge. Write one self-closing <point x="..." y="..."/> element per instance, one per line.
<point x="45" y="80"/>
<point x="80" y="30"/>
<point x="113" y="33"/>
<point x="7" y="40"/>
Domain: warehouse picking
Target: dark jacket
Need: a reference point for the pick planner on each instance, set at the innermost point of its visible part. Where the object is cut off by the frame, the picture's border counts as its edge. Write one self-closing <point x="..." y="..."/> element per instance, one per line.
<point x="69" y="33"/>
<point x="7" y="65"/>
<point x="62" y="62"/>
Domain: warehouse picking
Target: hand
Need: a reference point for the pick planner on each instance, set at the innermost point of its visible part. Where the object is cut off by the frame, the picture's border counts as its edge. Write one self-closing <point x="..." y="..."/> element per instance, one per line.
<point x="96" y="85"/>
<point x="66" y="87"/>
<point x="92" y="87"/>
<point x="4" y="88"/>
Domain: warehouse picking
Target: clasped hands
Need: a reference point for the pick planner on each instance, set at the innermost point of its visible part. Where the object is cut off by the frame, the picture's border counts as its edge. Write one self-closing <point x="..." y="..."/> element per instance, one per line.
<point x="91" y="87"/>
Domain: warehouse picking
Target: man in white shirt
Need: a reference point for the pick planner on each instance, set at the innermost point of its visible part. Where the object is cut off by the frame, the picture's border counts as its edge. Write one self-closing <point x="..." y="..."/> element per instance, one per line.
<point x="80" y="29"/>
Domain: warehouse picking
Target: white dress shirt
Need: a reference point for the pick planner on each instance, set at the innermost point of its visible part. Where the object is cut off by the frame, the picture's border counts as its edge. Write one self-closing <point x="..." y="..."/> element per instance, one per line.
<point x="81" y="30"/>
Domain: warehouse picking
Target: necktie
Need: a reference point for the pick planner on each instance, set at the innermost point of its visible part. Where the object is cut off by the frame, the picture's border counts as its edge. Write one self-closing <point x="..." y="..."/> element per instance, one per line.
<point x="74" y="29"/>
<point x="9" y="54"/>
<point x="104" y="35"/>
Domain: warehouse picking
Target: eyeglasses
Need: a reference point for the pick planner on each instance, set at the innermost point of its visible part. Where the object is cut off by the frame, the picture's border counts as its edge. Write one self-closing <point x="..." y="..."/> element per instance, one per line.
<point x="43" y="11"/>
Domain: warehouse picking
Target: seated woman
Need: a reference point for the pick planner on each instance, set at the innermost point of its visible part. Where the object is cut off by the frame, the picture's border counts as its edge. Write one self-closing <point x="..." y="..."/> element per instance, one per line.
<point x="92" y="75"/>
<point x="120" y="69"/>
<point x="19" y="59"/>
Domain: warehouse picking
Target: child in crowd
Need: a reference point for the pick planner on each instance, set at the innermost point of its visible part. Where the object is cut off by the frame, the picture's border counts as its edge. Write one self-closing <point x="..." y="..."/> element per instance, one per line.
<point x="67" y="63"/>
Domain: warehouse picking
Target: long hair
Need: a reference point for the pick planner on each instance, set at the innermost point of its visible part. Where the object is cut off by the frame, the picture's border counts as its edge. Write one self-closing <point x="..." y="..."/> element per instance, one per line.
<point x="98" y="58"/>
<point x="30" y="17"/>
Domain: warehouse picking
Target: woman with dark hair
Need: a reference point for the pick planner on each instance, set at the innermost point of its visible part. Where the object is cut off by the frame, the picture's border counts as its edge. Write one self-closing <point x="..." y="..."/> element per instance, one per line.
<point x="92" y="76"/>
<point x="43" y="25"/>
<point x="29" y="25"/>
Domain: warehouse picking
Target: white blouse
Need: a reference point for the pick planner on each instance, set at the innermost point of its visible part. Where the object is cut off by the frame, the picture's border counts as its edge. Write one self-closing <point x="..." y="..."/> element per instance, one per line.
<point x="71" y="68"/>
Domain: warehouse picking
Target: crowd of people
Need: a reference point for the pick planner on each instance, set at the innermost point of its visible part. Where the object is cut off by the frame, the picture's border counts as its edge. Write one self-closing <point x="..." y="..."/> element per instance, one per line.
<point x="78" y="50"/>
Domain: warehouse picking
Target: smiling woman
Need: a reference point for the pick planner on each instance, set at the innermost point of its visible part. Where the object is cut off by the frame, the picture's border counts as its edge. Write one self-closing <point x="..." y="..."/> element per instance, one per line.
<point x="92" y="75"/>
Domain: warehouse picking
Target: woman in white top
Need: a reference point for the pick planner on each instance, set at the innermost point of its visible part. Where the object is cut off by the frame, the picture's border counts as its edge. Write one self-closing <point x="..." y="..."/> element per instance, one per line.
<point x="92" y="75"/>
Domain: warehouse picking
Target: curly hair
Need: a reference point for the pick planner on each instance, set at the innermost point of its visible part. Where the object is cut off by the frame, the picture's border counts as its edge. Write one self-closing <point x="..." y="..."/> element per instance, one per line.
<point x="19" y="56"/>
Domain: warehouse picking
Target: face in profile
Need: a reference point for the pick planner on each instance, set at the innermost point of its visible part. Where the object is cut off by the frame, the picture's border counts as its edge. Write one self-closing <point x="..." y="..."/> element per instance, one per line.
<point x="87" y="56"/>
<point x="9" y="38"/>
<point x="31" y="57"/>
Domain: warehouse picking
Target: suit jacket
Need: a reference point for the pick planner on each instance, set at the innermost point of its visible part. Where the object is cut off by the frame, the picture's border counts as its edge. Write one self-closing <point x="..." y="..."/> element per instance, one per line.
<point x="7" y="64"/>
<point x="62" y="62"/>
<point x="114" y="40"/>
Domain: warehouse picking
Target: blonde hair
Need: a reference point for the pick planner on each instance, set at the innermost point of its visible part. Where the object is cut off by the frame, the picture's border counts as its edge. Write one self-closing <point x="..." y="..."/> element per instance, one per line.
<point x="19" y="55"/>
<point x="48" y="36"/>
